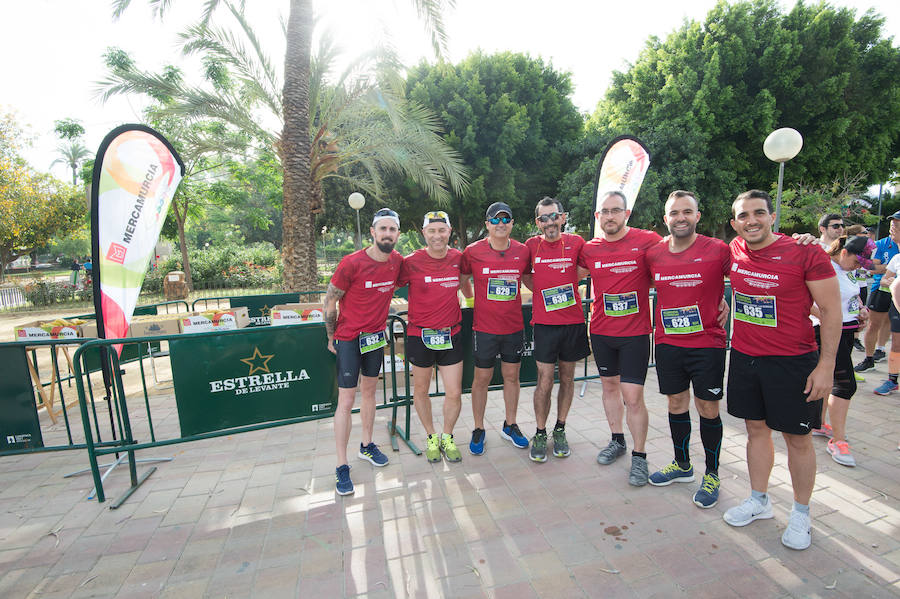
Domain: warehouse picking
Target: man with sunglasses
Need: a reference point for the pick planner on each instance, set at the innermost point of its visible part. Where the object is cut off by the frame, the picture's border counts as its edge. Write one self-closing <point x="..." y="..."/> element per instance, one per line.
<point x="620" y="326"/>
<point x="497" y="264"/>
<point x="363" y="284"/>
<point x="560" y="333"/>
<point x="831" y="227"/>
<point x="433" y="332"/>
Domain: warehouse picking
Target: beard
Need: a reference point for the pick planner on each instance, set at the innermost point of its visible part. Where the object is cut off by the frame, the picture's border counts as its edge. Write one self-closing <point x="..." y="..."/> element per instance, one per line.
<point x="385" y="246"/>
<point x="552" y="232"/>
<point x="682" y="234"/>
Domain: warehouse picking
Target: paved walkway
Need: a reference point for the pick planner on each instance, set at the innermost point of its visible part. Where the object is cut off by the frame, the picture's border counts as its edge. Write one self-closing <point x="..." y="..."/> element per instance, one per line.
<point x="255" y="515"/>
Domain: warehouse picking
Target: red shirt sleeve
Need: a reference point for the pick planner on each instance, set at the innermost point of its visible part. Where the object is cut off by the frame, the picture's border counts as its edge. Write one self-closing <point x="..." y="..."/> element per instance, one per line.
<point x="464" y="266"/>
<point x="818" y="264"/>
<point x="343" y="274"/>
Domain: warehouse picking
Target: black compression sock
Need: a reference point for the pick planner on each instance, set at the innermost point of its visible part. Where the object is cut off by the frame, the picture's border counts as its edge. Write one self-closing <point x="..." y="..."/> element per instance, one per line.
<point x="680" y="426"/>
<point x="711" y="435"/>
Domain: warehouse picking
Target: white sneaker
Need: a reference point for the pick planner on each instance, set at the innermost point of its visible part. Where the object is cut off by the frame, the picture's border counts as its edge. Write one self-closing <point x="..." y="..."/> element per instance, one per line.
<point x="796" y="535"/>
<point x="751" y="509"/>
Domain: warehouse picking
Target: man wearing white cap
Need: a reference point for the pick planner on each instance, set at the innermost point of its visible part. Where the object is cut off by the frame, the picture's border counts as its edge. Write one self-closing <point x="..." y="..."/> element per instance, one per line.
<point x="363" y="283"/>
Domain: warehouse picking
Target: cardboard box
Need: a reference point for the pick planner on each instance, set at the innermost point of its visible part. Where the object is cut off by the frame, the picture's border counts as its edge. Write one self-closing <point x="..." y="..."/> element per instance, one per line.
<point x="215" y="320"/>
<point x="48" y="329"/>
<point x="297" y="314"/>
<point x="89" y="329"/>
<point x="152" y="325"/>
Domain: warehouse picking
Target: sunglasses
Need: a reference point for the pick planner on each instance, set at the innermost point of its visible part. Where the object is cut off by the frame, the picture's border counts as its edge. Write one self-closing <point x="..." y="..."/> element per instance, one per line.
<point x="836" y="225"/>
<point x="553" y="216"/>
<point x="500" y="219"/>
<point x="386" y="212"/>
<point x="437" y="215"/>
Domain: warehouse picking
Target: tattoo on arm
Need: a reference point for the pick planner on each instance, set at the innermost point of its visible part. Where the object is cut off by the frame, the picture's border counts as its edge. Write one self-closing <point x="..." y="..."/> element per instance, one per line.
<point x="332" y="295"/>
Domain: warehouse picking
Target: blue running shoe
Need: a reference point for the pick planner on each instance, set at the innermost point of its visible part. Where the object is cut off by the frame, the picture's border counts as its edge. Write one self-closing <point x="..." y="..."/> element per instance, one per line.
<point x="372" y="454"/>
<point x="511" y="433"/>
<point x="343" y="485"/>
<point x="672" y="474"/>
<point x="708" y="494"/>
<point x="886" y="388"/>
<point x="476" y="445"/>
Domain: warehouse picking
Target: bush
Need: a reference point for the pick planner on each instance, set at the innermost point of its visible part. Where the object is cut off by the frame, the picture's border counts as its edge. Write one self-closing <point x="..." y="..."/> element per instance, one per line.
<point x="46" y="293"/>
<point x="256" y="265"/>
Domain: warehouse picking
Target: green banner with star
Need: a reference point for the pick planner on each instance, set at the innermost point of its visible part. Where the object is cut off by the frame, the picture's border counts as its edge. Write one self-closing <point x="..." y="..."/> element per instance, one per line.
<point x="234" y="378"/>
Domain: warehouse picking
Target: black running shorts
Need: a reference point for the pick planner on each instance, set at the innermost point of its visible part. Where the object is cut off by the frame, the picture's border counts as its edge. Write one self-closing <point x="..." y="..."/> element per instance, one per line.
<point x="625" y="357"/>
<point x="424" y="357"/>
<point x="350" y="362"/>
<point x="678" y="367"/>
<point x="770" y="388"/>
<point x="564" y="342"/>
<point x="879" y="301"/>
<point x="486" y="347"/>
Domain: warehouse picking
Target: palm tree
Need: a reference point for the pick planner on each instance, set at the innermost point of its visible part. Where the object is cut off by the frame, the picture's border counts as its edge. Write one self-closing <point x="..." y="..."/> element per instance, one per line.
<point x="294" y="144"/>
<point x="73" y="155"/>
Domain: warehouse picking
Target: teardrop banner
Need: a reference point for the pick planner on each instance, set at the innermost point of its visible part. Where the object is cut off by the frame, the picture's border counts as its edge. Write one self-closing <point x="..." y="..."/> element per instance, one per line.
<point x="136" y="174"/>
<point x="622" y="167"/>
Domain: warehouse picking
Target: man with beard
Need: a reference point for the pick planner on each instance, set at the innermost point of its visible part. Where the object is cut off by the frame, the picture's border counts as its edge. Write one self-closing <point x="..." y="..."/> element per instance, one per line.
<point x="620" y="327"/>
<point x="776" y="378"/>
<point x="433" y="333"/>
<point x="363" y="284"/>
<point x="560" y="333"/>
<point x="497" y="264"/>
<point x="688" y="270"/>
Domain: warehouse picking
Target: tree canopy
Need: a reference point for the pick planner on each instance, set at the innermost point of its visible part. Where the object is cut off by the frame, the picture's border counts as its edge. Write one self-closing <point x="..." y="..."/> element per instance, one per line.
<point x="705" y="98"/>
<point x="510" y="118"/>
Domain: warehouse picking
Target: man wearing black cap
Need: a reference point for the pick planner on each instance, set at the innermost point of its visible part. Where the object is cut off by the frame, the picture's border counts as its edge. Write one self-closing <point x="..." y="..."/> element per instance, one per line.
<point x="879" y="302"/>
<point x="363" y="283"/>
<point x="497" y="264"/>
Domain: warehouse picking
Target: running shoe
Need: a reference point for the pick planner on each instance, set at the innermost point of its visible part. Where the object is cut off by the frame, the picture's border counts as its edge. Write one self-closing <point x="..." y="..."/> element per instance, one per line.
<point x="879" y="355"/>
<point x="640" y="471"/>
<point x="539" y="447"/>
<point x="672" y="473"/>
<point x="611" y="452"/>
<point x="448" y="448"/>
<point x="476" y="445"/>
<point x="858" y="346"/>
<point x="859" y="378"/>
<point x="796" y="535"/>
<point x="751" y="509"/>
<point x="560" y="444"/>
<point x="511" y="433"/>
<point x="840" y="453"/>
<point x="707" y="495"/>
<point x="343" y="485"/>
<point x="867" y="364"/>
<point x="433" y="449"/>
<point x="886" y="388"/>
<point x="372" y="454"/>
<point x="825" y="431"/>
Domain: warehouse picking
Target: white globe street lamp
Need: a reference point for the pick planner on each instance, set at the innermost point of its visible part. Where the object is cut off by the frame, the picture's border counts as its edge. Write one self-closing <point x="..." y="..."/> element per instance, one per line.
<point x="357" y="201"/>
<point x="780" y="146"/>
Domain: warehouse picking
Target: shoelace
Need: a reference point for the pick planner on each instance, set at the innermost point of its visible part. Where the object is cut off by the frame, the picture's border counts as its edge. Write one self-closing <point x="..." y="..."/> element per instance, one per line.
<point x="709" y="483"/>
<point x="672" y="467"/>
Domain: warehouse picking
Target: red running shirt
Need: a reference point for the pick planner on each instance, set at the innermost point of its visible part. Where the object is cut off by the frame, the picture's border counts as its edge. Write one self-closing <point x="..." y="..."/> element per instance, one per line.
<point x="555" y="272"/>
<point x="689" y="288"/>
<point x="497" y="277"/>
<point x="621" y="282"/>
<point x="771" y="300"/>
<point x="368" y="286"/>
<point x="433" y="286"/>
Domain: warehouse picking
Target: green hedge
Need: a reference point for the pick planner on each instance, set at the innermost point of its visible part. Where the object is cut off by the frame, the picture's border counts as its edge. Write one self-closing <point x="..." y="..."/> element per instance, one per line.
<point x="256" y="265"/>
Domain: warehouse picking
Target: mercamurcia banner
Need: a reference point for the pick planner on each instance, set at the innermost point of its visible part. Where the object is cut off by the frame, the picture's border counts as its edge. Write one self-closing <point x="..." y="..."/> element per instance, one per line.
<point x="136" y="174"/>
<point x="622" y="168"/>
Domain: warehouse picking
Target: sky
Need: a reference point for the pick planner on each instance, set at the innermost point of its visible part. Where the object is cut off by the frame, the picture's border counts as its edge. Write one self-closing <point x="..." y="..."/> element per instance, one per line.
<point x="53" y="48"/>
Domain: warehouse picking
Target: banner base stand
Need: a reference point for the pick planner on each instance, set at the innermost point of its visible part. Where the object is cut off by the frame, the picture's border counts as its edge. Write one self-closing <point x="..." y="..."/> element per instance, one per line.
<point x="111" y="466"/>
<point x="395" y="432"/>
<point x="118" y="502"/>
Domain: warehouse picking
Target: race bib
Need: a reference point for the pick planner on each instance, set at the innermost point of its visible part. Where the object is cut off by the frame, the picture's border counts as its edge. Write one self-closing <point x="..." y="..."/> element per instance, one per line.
<point x="501" y="290"/>
<point x="620" y="304"/>
<point x="681" y="321"/>
<point x="557" y="298"/>
<point x="371" y="341"/>
<point x="755" y="309"/>
<point x="437" y="339"/>
<point x="853" y="305"/>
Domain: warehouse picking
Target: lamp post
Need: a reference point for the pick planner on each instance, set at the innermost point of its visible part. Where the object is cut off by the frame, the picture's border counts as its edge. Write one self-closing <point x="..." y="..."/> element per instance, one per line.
<point x="780" y="146"/>
<point x="357" y="201"/>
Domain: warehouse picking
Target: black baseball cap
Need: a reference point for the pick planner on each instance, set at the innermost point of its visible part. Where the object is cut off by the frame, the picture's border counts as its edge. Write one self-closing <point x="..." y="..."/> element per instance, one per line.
<point x="857" y="245"/>
<point x="498" y="207"/>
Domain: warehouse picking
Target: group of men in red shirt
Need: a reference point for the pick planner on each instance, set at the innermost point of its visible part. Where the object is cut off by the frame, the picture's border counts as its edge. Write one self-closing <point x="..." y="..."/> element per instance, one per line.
<point x="777" y="378"/>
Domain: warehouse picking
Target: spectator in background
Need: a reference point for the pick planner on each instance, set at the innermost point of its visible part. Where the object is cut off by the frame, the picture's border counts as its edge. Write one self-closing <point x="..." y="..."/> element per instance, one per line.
<point x="831" y="226"/>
